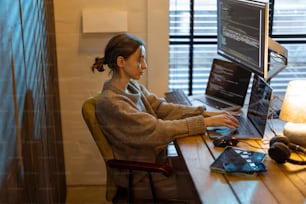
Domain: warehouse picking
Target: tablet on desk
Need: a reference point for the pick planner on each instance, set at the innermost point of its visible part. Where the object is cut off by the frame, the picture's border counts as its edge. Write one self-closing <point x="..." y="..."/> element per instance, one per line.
<point x="239" y="161"/>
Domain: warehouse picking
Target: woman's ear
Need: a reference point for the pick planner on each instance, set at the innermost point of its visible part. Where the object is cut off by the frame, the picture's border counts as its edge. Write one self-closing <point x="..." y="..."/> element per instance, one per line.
<point x="120" y="61"/>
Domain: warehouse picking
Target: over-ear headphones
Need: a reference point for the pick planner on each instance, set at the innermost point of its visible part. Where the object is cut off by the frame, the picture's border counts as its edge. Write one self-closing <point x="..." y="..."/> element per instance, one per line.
<point x="279" y="150"/>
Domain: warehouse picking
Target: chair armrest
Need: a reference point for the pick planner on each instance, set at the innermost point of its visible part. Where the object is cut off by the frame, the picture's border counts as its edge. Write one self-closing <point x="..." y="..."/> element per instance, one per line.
<point x="141" y="166"/>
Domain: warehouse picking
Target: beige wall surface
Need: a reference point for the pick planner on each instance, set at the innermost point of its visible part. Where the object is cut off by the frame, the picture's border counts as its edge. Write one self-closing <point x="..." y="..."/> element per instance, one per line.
<point x="76" y="52"/>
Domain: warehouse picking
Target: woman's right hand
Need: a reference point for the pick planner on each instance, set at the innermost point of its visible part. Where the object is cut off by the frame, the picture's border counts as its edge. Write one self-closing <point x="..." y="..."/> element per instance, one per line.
<point x="222" y="119"/>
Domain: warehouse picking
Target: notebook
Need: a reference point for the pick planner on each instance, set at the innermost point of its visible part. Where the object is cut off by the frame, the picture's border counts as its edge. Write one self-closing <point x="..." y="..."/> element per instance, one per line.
<point x="253" y="125"/>
<point x="226" y="87"/>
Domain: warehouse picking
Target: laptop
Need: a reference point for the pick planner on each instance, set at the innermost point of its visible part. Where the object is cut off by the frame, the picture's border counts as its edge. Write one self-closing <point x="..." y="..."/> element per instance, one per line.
<point x="253" y="125"/>
<point x="227" y="86"/>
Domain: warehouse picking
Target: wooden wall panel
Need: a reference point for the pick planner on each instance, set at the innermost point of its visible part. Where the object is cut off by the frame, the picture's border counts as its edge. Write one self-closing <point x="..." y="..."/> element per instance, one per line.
<point x="31" y="149"/>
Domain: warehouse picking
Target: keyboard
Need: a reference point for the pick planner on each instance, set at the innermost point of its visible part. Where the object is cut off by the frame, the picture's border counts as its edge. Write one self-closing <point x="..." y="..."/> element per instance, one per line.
<point x="177" y="96"/>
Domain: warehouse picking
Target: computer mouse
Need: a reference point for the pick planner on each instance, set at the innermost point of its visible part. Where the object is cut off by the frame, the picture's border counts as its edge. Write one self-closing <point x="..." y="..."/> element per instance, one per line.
<point x="225" y="141"/>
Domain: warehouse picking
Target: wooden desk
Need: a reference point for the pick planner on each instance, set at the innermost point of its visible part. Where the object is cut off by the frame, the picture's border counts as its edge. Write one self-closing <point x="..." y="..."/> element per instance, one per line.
<point x="280" y="184"/>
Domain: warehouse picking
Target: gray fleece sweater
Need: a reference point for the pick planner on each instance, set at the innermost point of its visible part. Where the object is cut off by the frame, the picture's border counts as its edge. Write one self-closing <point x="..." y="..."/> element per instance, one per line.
<point x="139" y="125"/>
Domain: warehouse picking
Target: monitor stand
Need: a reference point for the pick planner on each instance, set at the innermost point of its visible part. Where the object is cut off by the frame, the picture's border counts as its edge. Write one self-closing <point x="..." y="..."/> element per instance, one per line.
<point x="282" y="52"/>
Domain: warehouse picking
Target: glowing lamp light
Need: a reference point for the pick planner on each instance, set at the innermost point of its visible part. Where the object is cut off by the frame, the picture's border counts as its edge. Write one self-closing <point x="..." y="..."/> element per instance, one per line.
<point x="294" y="112"/>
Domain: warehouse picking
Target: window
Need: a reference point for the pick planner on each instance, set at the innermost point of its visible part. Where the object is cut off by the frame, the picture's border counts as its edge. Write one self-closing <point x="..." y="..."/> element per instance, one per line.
<point x="193" y="42"/>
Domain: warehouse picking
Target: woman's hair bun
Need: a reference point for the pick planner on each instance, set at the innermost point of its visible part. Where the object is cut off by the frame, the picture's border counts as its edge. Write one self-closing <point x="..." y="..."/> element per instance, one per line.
<point x="98" y="65"/>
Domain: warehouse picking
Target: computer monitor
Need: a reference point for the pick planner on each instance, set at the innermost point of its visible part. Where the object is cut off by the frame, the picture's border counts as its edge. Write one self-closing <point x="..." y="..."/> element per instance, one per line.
<point x="243" y="35"/>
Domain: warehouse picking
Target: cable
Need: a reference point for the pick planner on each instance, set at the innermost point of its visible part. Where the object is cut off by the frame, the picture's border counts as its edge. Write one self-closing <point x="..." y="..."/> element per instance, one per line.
<point x="274" y="108"/>
<point x="257" y="147"/>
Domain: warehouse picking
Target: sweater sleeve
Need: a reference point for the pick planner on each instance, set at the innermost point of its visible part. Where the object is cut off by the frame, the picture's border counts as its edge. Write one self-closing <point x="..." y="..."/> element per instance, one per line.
<point x="169" y="111"/>
<point x="120" y="119"/>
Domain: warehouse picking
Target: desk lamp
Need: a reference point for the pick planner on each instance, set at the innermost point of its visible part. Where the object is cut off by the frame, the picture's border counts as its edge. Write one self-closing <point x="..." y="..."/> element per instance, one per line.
<point x="294" y="112"/>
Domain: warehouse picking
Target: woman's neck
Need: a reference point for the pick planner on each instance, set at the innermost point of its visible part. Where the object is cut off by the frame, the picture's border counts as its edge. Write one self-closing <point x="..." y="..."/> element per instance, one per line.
<point x="120" y="83"/>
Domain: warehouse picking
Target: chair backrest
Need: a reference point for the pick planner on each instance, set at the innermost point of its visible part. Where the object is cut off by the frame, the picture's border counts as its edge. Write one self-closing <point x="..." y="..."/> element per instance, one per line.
<point x="89" y="115"/>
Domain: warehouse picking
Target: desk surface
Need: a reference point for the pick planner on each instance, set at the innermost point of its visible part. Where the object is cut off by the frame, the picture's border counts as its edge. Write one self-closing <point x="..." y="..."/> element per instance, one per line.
<point x="280" y="184"/>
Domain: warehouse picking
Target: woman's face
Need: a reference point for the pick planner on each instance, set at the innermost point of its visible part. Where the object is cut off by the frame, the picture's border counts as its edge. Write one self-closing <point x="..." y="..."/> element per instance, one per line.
<point x="136" y="64"/>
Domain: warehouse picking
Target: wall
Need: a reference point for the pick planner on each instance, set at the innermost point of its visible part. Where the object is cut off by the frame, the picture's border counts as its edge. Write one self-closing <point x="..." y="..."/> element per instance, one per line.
<point x="148" y="20"/>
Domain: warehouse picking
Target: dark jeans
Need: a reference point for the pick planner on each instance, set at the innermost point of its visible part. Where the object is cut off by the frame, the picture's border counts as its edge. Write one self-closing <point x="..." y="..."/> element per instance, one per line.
<point x="178" y="187"/>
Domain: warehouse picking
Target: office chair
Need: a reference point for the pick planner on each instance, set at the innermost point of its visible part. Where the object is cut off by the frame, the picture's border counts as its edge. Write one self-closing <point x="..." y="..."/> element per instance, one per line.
<point x="112" y="191"/>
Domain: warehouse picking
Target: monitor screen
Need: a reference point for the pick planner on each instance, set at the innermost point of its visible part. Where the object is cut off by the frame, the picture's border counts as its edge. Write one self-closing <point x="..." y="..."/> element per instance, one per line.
<point x="243" y="33"/>
<point x="259" y="105"/>
<point x="228" y="81"/>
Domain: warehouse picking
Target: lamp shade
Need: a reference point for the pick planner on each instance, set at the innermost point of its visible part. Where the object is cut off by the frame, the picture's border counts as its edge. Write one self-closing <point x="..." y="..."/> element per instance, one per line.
<point x="294" y="103"/>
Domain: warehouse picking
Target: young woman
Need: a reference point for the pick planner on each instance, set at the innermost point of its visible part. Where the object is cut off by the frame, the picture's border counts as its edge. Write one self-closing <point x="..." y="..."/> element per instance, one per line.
<point x="140" y="125"/>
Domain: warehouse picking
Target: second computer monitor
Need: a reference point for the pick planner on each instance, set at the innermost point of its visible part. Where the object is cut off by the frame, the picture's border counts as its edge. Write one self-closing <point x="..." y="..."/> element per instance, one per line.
<point x="243" y="33"/>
